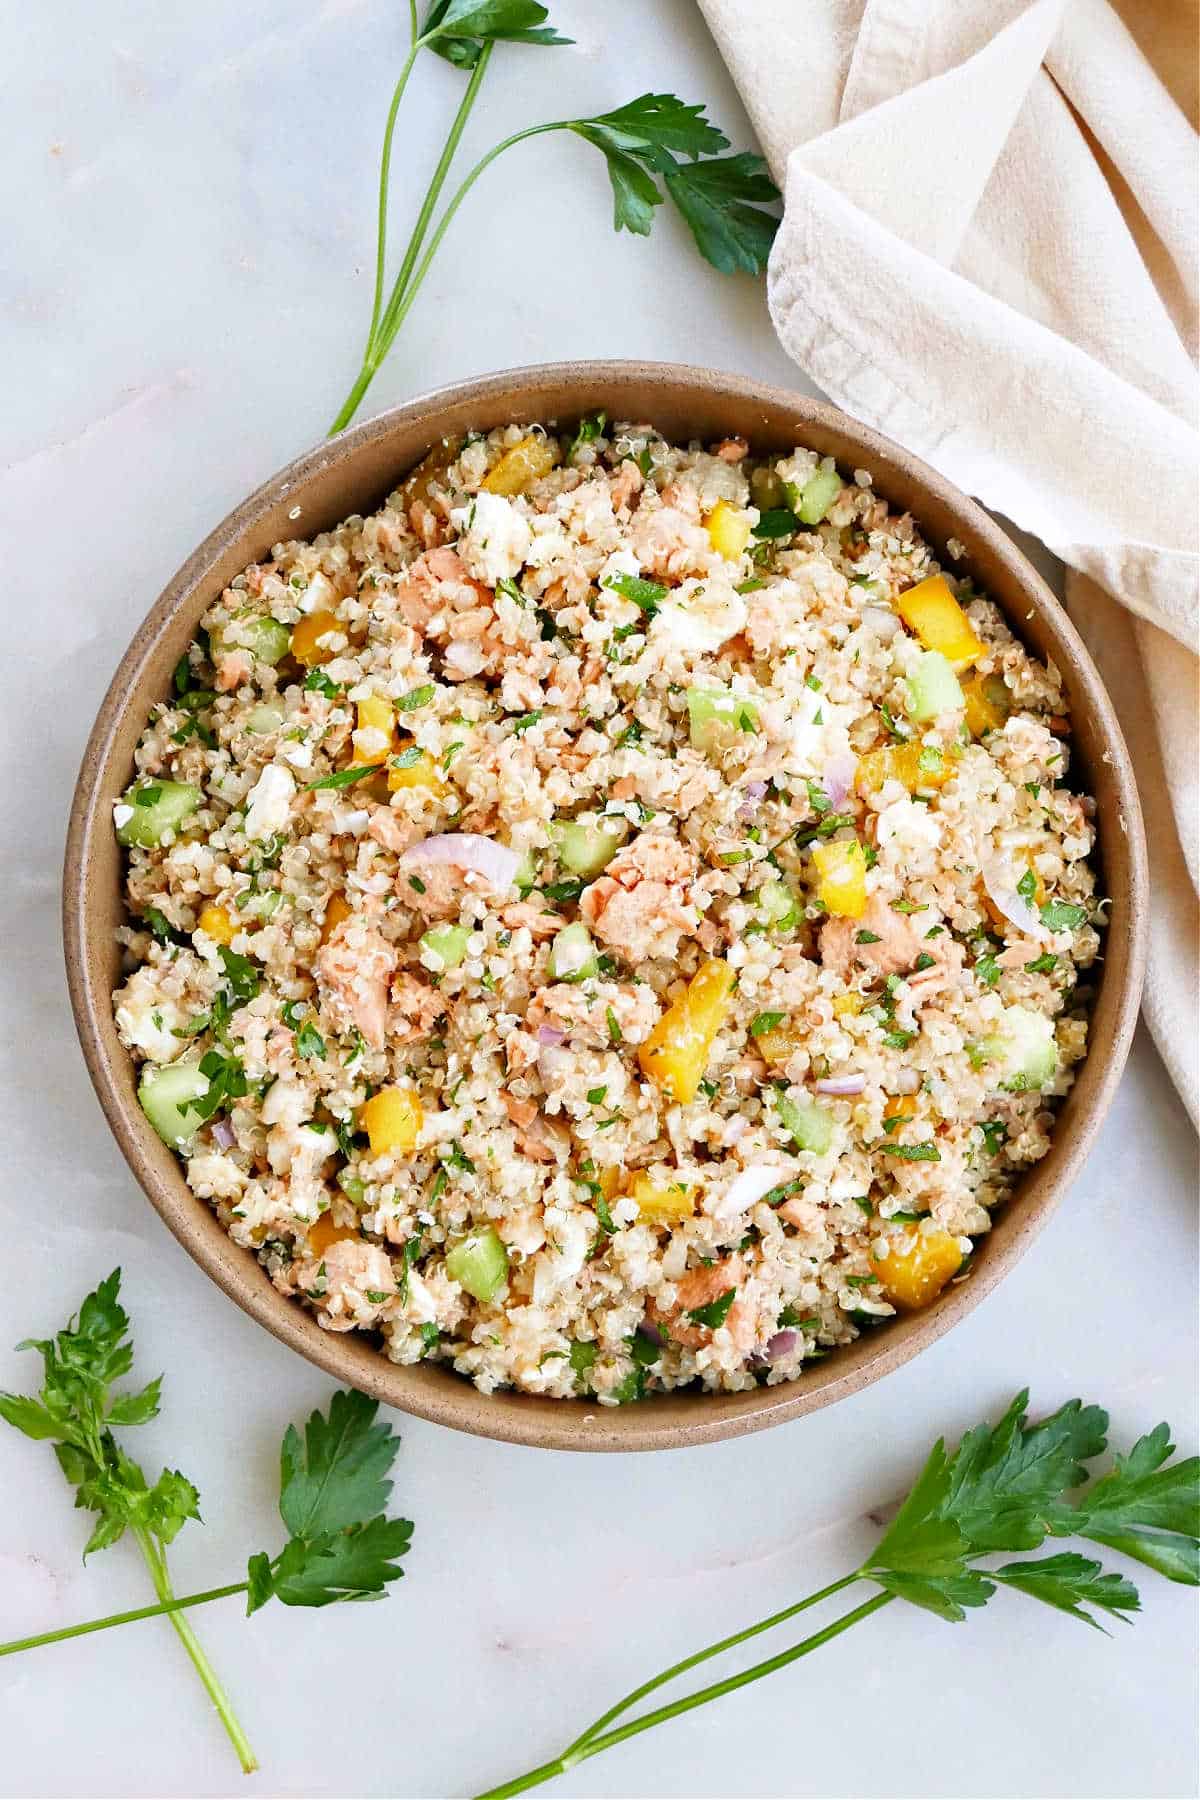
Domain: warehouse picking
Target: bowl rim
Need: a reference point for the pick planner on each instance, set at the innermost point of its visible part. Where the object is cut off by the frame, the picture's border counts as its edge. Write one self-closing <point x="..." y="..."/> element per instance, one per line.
<point x="434" y="1393"/>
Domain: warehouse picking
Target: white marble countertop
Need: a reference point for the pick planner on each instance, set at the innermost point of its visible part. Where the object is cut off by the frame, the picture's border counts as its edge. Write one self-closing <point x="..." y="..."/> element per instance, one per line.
<point x="188" y="242"/>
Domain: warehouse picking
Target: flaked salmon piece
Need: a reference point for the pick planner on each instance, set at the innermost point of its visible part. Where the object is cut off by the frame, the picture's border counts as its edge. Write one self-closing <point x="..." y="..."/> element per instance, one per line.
<point x="537" y="1138"/>
<point x="628" y="481"/>
<point x="892" y="944"/>
<point x="523" y="914"/>
<point x="416" y="1008"/>
<point x="350" y="1283"/>
<point x="394" y="830"/>
<point x="420" y="595"/>
<point x="232" y="669"/>
<point x="731" y="450"/>
<point x="700" y="1287"/>
<point x="353" y="972"/>
<point x="652" y="856"/>
<point x="638" y="906"/>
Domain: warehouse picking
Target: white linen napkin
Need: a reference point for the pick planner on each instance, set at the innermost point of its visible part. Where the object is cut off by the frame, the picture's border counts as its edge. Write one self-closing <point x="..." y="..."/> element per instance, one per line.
<point x="988" y="252"/>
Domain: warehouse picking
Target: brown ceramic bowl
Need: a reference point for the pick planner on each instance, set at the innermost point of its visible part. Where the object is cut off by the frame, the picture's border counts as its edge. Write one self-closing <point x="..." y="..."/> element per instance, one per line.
<point x="352" y="474"/>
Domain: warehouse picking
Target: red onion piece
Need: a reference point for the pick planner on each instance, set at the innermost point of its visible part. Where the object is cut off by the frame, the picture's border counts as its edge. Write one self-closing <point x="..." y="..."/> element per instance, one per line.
<point x="748" y="1188"/>
<point x="1002" y="892"/>
<point x="550" y="1034"/>
<point x="756" y="789"/>
<point x="224" y="1135"/>
<point x="651" y="1333"/>
<point x="841" y="1084"/>
<point x="782" y="1344"/>
<point x="497" y="863"/>
<point x="837" y="777"/>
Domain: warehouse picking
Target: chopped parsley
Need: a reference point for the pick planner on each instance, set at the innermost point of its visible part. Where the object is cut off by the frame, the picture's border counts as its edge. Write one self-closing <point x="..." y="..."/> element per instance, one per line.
<point x="716" y="1312"/>
<point x="1061" y="915"/>
<point x="415" y="698"/>
<point x="345" y="777"/>
<point x="763" y="1022"/>
<point x="647" y="596"/>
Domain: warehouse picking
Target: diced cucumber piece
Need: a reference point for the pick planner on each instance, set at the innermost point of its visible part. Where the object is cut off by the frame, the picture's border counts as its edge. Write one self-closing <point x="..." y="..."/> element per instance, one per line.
<point x="714" y="712"/>
<point x="766" y="489"/>
<point x="933" y="687"/>
<point x="166" y="1096"/>
<point x="1024" y="1050"/>
<point x="778" y="904"/>
<point x="262" y="720"/>
<point x="526" y="875"/>
<point x="155" y="807"/>
<point x="584" y="848"/>
<point x="479" y="1264"/>
<point x="448" y="942"/>
<point x="352" y="1185"/>
<point x="260" y="906"/>
<point x="811" y="1127"/>
<point x="266" y="639"/>
<point x="573" y="955"/>
<point x="816" y="496"/>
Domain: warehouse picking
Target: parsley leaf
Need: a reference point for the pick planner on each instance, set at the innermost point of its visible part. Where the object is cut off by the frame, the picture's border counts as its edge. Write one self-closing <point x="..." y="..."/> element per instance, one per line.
<point x="721" y="200"/>
<point x="345" y="777"/>
<point x="1143" y="1509"/>
<point x="458" y="29"/>
<point x="716" y="1312"/>
<point x="337" y="1475"/>
<point x="1070" y="1581"/>
<point x="647" y="596"/>
<point x="1061" y="915"/>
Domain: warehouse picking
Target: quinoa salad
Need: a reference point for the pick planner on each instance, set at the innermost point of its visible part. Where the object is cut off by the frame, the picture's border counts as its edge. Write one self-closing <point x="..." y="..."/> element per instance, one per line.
<point x="611" y="919"/>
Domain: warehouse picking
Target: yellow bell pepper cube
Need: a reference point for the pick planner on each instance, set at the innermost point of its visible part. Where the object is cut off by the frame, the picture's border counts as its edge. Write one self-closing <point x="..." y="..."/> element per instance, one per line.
<point x="392" y="1120"/>
<point x="846" y="1005"/>
<point x="306" y="636"/>
<point x="913" y="765"/>
<point x="415" y="772"/>
<point x="676" y="1053"/>
<point x="337" y="909"/>
<point x="728" y="530"/>
<point x="931" y="610"/>
<point x="376" y="715"/>
<point x="658" y="1205"/>
<point x="917" y="1267"/>
<point x="842" y="868"/>
<point x="218" y="924"/>
<point x="323" y="1232"/>
<point x="987" y="704"/>
<point x="525" y="462"/>
<point x="776" y="1045"/>
<point x="432" y="467"/>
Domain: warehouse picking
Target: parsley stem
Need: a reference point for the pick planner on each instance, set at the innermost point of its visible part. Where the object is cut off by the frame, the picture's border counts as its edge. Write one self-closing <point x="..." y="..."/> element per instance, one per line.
<point x="385" y="171"/>
<point x="681" y="1668"/>
<point x="393" y="319"/>
<point x="383" y="331"/>
<point x="156" y="1562"/>
<point x="122" y="1618"/>
<point x="433" y="192"/>
<point x="675" y="1708"/>
<point x="401" y="300"/>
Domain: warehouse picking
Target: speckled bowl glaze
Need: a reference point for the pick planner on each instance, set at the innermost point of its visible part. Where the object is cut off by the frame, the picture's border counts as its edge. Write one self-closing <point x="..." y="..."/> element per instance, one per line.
<point x="351" y="474"/>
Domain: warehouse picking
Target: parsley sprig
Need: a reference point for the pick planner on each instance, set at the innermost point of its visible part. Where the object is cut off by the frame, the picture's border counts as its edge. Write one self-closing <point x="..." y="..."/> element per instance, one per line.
<point x="1008" y="1487"/>
<point x="333" y="1490"/>
<point x="652" y="140"/>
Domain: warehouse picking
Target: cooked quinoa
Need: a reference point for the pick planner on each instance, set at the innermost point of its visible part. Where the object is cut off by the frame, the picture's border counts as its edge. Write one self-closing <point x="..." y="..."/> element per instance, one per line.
<point x="610" y="919"/>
